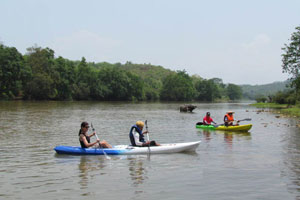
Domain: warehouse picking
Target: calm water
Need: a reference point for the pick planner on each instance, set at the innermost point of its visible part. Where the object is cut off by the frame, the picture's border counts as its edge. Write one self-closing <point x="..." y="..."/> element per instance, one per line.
<point x="261" y="164"/>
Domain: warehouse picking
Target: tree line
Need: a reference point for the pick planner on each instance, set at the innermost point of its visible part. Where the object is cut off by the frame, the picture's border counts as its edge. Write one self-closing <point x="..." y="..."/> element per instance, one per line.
<point x="39" y="75"/>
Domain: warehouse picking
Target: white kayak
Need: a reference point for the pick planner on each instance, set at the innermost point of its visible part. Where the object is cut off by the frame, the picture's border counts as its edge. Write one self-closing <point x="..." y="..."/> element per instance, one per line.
<point x="129" y="150"/>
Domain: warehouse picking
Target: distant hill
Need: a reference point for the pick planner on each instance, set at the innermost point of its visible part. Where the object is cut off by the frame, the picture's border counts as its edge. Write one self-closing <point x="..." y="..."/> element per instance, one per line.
<point x="252" y="91"/>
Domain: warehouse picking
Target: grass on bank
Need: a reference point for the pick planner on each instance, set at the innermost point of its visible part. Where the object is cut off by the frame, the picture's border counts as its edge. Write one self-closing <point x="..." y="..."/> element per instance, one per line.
<point x="290" y="110"/>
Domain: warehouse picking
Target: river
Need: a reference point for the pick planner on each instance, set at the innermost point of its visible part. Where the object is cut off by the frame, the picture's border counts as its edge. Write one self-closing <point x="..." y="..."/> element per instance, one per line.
<point x="261" y="164"/>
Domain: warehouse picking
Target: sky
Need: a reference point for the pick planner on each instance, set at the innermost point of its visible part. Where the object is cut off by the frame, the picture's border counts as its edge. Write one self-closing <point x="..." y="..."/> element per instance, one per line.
<point x="238" y="41"/>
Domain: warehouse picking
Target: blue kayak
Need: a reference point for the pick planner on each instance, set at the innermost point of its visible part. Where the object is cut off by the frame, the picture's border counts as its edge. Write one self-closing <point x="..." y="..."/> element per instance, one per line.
<point x="128" y="149"/>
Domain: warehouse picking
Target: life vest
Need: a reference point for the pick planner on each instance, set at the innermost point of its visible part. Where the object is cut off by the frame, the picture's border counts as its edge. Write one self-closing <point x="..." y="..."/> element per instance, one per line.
<point x="229" y="118"/>
<point x="81" y="142"/>
<point x="141" y="138"/>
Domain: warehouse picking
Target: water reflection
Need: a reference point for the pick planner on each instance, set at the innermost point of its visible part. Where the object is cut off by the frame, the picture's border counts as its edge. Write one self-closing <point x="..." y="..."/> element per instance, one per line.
<point x="136" y="170"/>
<point x="87" y="165"/>
<point x="206" y="134"/>
<point x="229" y="136"/>
<point x="291" y="157"/>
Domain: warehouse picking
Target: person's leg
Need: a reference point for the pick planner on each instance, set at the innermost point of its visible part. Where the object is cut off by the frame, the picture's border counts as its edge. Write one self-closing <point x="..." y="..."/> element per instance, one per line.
<point x="105" y="144"/>
<point x="153" y="143"/>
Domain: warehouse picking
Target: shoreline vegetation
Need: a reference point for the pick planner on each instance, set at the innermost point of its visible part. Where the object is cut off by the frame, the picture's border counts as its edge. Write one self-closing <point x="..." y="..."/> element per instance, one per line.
<point x="284" y="110"/>
<point x="39" y="75"/>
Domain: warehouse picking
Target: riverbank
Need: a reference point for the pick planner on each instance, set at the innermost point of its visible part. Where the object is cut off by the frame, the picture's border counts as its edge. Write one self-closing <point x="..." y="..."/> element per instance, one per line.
<point x="284" y="109"/>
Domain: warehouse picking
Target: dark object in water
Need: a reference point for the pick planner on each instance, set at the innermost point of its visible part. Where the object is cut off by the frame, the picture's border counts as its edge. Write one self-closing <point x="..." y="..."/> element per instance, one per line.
<point x="187" y="108"/>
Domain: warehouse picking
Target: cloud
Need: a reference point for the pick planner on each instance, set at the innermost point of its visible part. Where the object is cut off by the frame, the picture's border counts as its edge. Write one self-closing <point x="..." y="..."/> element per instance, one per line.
<point x="259" y="41"/>
<point x="85" y="43"/>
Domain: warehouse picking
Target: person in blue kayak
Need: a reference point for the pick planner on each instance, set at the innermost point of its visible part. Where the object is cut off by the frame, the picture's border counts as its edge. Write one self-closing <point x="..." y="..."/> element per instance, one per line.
<point x="84" y="138"/>
<point x="228" y="119"/>
<point x="137" y="136"/>
<point x="207" y="120"/>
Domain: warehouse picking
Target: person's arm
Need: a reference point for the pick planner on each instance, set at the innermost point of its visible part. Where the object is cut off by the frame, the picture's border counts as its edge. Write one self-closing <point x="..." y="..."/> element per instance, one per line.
<point x="92" y="134"/>
<point x="83" y="139"/>
<point x="213" y="121"/>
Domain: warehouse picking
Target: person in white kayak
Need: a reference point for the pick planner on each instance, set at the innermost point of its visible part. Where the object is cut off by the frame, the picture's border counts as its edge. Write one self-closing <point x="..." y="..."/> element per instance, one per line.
<point x="137" y="136"/>
<point x="84" y="138"/>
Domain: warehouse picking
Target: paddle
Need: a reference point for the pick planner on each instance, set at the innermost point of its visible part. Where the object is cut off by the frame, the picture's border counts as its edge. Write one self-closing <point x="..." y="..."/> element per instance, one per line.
<point x="148" y="137"/>
<point x="217" y="125"/>
<point x="246" y="119"/>
<point x="107" y="157"/>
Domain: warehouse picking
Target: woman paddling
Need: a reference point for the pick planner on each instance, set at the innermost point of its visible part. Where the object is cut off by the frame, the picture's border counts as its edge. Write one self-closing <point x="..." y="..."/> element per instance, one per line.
<point x="137" y="136"/>
<point x="84" y="139"/>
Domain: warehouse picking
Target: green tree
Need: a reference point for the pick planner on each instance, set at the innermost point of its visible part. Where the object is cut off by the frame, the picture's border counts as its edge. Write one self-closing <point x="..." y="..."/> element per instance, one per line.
<point x="178" y="87"/>
<point x="83" y="81"/>
<point x="11" y="69"/>
<point x="291" y="59"/>
<point x="121" y="85"/>
<point x="207" y="90"/>
<point x="234" y="92"/>
<point x="135" y="87"/>
<point x="260" y="98"/>
<point x="40" y="60"/>
<point x="41" y="86"/>
<point x="65" y="78"/>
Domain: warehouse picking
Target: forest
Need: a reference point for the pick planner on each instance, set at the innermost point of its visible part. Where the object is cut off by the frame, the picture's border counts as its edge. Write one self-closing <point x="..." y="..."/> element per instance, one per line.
<point x="39" y="75"/>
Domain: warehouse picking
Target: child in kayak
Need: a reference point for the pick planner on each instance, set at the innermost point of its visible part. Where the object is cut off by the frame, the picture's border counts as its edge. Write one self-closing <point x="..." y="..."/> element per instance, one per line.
<point x="207" y="120"/>
<point x="137" y="136"/>
<point x="228" y="119"/>
<point x="84" y="139"/>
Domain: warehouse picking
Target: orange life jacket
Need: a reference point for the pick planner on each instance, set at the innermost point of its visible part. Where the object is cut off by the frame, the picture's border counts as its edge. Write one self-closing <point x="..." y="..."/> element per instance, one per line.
<point x="229" y="118"/>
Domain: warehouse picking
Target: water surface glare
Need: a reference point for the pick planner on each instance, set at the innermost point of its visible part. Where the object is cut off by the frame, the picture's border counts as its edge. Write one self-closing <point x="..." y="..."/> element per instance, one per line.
<point x="261" y="164"/>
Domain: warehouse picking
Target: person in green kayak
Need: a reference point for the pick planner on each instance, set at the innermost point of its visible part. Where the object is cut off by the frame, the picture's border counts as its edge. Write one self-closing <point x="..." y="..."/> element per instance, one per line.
<point x="84" y="138"/>
<point x="228" y="119"/>
<point x="207" y="120"/>
<point x="136" y="136"/>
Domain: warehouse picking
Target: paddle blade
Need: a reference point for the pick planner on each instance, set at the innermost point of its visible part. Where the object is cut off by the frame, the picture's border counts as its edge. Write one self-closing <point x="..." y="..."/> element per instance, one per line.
<point x="92" y="127"/>
<point x="247" y="119"/>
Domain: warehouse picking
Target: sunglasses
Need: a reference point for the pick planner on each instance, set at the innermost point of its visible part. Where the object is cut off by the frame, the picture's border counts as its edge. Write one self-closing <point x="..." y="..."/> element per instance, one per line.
<point x="87" y="127"/>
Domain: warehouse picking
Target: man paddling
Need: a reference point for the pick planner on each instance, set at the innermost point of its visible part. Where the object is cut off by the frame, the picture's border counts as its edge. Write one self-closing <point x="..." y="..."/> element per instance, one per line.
<point x="228" y="119"/>
<point x="207" y="120"/>
<point x="137" y="136"/>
